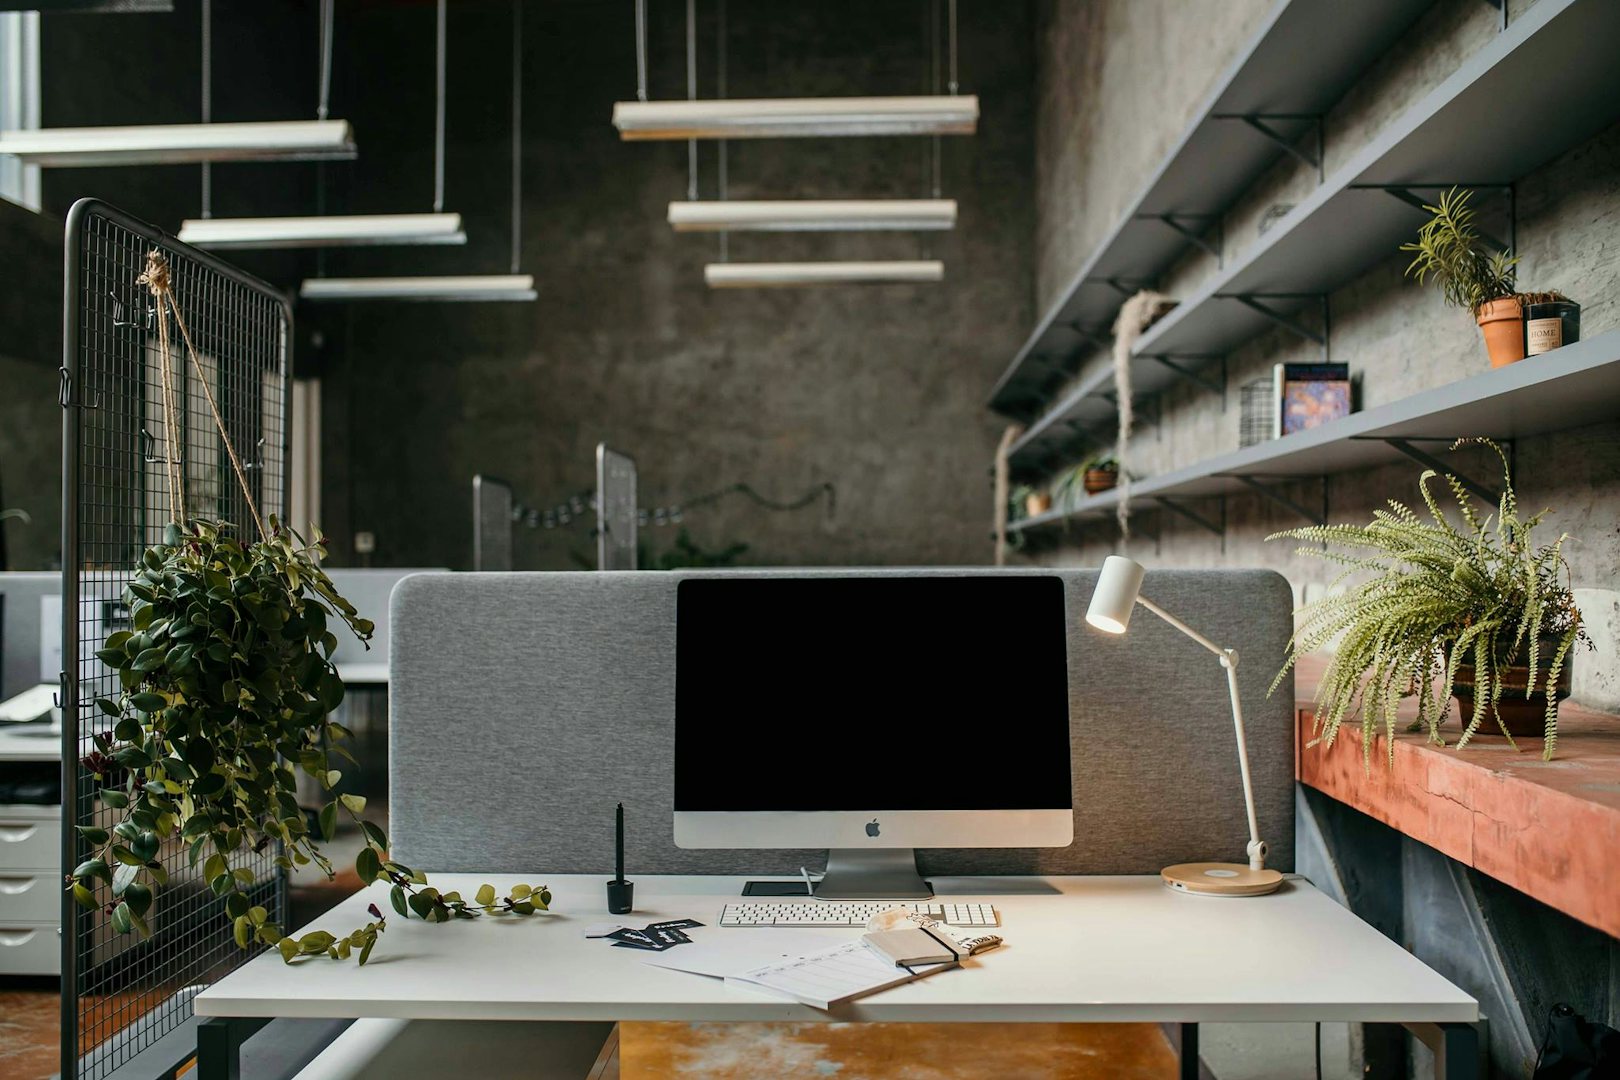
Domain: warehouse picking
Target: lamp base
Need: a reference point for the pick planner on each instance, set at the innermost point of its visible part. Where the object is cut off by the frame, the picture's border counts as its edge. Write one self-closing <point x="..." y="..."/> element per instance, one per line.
<point x="1220" y="879"/>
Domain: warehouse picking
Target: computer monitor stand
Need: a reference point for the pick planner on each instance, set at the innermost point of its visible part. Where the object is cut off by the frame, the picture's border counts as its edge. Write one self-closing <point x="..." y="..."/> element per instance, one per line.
<point x="872" y="874"/>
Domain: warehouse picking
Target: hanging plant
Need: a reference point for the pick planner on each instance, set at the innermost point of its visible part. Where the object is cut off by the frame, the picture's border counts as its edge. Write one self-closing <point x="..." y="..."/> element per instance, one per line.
<point x="227" y="689"/>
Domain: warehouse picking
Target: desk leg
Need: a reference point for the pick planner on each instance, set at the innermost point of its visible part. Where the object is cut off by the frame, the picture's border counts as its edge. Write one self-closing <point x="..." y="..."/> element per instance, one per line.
<point x="1455" y="1046"/>
<point x="1189" y="1052"/>
<point x="219" y="1045"/>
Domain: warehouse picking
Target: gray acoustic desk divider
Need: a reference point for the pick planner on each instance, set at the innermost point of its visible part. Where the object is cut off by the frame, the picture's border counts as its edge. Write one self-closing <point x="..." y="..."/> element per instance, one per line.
<point x="514" y="696"/>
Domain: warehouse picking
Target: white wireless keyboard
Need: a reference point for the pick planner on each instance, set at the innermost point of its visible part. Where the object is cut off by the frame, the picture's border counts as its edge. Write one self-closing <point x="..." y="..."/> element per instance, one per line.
<point x="851" y="913"/>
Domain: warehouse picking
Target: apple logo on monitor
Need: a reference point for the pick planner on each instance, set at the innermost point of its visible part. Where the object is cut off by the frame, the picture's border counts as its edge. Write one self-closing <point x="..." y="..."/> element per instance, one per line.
<point x="872" y="827"/>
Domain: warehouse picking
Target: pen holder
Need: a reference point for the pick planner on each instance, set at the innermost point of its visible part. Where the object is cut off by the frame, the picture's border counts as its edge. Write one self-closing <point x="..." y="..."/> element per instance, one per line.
<point x="621" y="897"/>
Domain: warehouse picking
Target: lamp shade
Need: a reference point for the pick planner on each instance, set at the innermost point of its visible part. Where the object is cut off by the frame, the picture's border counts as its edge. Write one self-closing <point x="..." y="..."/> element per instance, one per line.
<point x="1115" y="595"/>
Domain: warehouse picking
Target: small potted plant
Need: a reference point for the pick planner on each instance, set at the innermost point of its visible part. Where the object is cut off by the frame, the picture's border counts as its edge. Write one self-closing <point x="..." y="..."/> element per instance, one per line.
<point x="1029" y="502"/>
<point x="1479" y="613"/>
<point x="1101" y="473"/>
<point x="1449" y="251"/>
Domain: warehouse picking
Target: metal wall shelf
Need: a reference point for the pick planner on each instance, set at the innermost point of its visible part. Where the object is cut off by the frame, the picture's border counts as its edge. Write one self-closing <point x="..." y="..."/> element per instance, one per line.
<point x="1542" y="86"/>
<point x="1568" y="388"/>
<point x="1265" y="107"/>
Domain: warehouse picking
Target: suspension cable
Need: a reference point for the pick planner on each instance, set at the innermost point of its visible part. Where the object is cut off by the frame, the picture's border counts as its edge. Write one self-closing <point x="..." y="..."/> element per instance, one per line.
<point x="438" y="119"/>
<point x="691" y="95"/>
<point x="321" y="110"/>
<point x="517" y="133"/>
<point x="641" y="50"/>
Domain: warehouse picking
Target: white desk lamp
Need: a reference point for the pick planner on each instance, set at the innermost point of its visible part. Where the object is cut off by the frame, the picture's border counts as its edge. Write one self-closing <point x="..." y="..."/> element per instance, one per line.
<point x="1118" y="592"/>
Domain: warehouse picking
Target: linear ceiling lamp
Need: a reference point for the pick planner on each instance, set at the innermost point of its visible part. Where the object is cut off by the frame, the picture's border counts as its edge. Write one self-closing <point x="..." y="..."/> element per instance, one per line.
<point x="474" y="287"/>
<point x="183" y="144"/>
<point x="336" y="230"/>
<point x="455" y="287"/>
<point x="771" y="118"/>
<point x="789" y="274"/>
<point x="814" y="215"/>
<point x="326" y="230"/>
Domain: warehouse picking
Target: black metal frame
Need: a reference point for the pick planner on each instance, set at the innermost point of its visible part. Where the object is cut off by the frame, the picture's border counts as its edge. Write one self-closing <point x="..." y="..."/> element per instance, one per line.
<point x="139" y="996"/>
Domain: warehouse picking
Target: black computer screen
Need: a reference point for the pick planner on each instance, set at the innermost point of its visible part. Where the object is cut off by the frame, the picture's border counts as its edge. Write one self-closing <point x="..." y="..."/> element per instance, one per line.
<point x="874" y="693"/>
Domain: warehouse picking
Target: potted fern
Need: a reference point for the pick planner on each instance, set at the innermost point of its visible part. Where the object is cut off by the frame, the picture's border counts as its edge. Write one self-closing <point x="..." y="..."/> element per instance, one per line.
<point x="1479" y="613"/>
<point x="1449" y="251"/>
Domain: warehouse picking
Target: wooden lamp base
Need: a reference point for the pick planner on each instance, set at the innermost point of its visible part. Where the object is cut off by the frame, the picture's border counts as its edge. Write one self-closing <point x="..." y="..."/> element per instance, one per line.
<point x="1220" y="879"/>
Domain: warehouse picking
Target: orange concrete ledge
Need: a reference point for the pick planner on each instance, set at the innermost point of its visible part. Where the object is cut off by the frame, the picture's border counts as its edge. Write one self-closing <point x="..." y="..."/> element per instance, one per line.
<point x="1550" y="829"/>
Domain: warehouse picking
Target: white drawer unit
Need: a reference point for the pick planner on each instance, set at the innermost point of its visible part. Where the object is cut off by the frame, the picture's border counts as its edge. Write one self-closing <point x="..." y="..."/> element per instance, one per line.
<point x="30" y="837"/>
<point x="30" y="896"/>
<point x="30" y="890"/>
<point x="29" y="949"/>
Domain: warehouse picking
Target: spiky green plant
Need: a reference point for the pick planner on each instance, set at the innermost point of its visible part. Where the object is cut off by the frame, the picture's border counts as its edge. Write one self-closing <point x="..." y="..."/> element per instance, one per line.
<point x="1439" y="596"/>
<point x="1449" y="251"/>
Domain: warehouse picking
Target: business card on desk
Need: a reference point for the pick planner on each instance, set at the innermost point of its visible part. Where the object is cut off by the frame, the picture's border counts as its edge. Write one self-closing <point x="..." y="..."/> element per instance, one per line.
<point x="667" y="935"/>
<point x="674" y="924"/>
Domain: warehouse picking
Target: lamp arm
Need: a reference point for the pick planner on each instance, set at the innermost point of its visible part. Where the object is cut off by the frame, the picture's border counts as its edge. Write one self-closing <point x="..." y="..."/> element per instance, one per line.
<point x="1229" y="661"/>
<point x="1179" y="625"/>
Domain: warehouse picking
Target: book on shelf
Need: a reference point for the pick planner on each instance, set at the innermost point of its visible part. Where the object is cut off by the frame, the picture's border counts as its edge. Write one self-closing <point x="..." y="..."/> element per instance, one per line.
<point x="1255" y="423"/>
<point x="1305" y="396"/>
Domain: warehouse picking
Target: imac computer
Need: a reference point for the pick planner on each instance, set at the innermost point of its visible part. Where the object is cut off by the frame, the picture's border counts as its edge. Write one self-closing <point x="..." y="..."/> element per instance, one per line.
<point x="871" y="716"/>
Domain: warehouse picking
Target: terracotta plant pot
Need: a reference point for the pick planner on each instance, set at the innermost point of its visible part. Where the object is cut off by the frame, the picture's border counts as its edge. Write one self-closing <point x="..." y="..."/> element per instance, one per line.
<point x="1502" y="322"/>
<point x="1097" y="480"/>
<point x="1037" y="504"/>
<point x="1522" y="716"/>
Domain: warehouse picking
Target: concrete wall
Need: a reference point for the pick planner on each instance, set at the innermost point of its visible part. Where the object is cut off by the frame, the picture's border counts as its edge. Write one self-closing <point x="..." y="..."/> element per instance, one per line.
<point x="878" y="391"/>
<point x="132" y="69"/>
<point x="1397" y="338"/>
<point x="30" y="420"/>
<point x="1116" y="82"/>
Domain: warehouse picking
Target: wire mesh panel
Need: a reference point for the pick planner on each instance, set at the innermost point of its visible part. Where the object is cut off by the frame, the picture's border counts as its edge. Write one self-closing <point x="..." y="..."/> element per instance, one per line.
<point x="124" y="995"/>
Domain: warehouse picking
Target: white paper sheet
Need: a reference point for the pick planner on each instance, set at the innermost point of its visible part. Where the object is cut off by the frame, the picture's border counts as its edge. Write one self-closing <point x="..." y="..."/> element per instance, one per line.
<point x="29" y="705"/>
<point x="824" y="978"/>
<point x="733" y="950"/>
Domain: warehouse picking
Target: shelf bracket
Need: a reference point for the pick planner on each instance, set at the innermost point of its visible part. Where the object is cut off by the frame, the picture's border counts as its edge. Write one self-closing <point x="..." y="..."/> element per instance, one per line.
<point x="1192" y="236"/>
<point x="1315" y="517"/>
<point x="1407" y="193"/>
<point x="1429" y="461"/>
<point x="1126" y="287"/>
<point x="1252" y="302"/>
<point x="1188" y="374"/>
<point x="1261" y="122"/>
<point x="1095" y="336"/>
<point x="1219" y="529"/>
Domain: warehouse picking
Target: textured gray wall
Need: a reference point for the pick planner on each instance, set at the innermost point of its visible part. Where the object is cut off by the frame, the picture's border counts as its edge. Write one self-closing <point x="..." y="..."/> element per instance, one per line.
<point x="1396" y="337"/>
<point x="132" y="69"/>
<point x="30" y="421"/>
<point x="878" y="391"/>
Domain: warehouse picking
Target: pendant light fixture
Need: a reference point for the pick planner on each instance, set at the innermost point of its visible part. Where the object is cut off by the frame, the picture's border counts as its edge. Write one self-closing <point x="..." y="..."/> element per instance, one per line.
<point x="813" y="215"/>
<point x="475" y="287"/>
<point x="773" y="118"/>
<point x="785" y="274"/>
<point x="323" y="230"/>
<point x="185" y="144"/>
<point x="458" y="287"/>
<point x="778" y="118"/>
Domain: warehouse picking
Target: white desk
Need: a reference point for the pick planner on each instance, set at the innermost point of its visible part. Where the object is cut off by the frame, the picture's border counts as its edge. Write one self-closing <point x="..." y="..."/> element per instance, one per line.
<point x="1077" y="949"/>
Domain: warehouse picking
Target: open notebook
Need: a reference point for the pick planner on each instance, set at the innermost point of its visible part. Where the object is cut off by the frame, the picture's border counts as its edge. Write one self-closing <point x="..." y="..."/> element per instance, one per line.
<point x="829" y="976"/>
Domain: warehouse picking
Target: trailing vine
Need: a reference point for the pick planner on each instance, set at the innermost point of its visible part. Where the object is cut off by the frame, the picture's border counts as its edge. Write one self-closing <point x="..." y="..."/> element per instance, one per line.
<point x="227" y="687"/>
